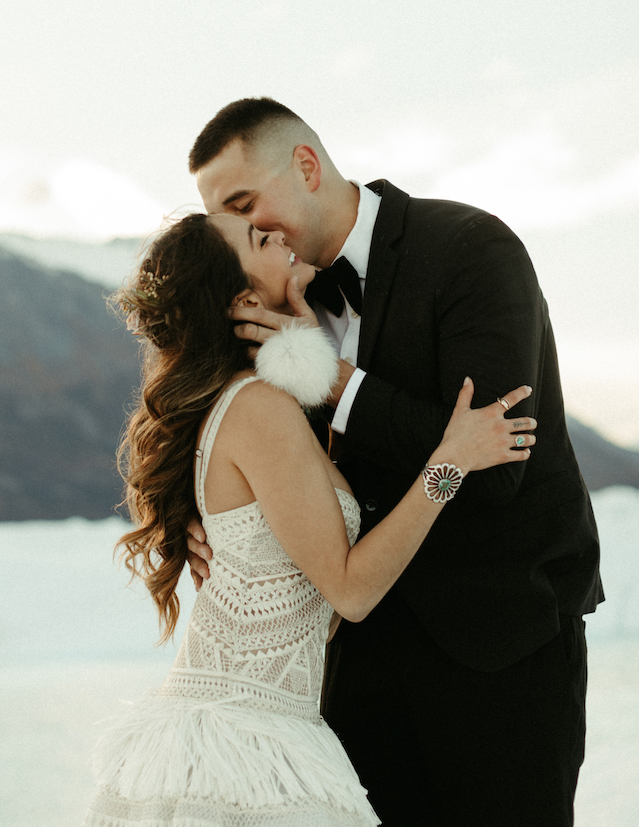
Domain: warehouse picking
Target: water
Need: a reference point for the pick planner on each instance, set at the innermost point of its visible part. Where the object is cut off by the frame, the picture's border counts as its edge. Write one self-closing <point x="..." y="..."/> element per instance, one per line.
<point x="74" y="641"/>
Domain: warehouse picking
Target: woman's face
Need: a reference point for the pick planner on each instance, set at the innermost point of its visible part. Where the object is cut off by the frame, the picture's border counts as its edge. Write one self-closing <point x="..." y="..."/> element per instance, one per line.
<point x="266" y="259"/>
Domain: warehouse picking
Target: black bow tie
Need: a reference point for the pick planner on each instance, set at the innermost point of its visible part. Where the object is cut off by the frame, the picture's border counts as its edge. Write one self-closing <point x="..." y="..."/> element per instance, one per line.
<point x="325" y="287"/>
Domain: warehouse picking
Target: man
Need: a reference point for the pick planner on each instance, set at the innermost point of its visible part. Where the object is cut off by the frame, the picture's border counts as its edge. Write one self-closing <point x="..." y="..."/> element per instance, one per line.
<point x="460" y="698"/>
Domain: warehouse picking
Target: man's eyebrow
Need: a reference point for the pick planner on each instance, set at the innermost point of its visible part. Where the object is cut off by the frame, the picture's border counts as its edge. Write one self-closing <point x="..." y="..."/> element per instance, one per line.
<point x="234" y="196"/>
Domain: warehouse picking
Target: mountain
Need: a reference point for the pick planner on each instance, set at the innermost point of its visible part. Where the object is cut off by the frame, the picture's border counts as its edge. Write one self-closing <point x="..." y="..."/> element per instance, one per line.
<point x="602" y="463"/>
<point x="67" y="371"/>
<point x="107" y="263"/>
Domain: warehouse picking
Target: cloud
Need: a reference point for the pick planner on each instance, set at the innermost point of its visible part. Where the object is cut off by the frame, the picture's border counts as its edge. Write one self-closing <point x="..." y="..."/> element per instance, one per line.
<point x="406" y="150"/>
<point x="75" y="197"/>
<point x="536" y="180"/>
<point x="597" y="384"/>
<point x="101" y="200"/>
<point x="351" y="62"/>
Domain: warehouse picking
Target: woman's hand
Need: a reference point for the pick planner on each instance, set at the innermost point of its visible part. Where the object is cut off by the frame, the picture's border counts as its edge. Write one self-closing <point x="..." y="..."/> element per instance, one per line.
<point x="199" y="553"/>
<point x="483" y="437"/>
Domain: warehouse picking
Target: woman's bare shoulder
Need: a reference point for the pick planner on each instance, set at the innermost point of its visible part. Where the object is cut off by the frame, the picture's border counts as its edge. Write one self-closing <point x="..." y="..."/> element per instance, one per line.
<point x="266" y="409"/>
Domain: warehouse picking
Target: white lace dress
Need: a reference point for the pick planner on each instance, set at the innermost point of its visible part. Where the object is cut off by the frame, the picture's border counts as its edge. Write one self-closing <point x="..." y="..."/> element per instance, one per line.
<point x="234" y="738"/>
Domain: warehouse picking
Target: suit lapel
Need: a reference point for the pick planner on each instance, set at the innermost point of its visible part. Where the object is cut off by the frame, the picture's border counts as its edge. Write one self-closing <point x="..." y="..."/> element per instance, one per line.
<point x="382" y="264"/>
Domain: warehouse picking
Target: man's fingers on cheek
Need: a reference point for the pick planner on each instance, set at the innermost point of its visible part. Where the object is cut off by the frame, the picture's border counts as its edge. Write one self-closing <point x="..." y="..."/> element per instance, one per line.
<point x="247" y="331"/>
<point x="257" y="334"/>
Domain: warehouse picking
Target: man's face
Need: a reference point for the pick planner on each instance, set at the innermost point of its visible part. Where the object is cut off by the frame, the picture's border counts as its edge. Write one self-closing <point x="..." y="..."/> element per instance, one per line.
<point x="271" y="198"/>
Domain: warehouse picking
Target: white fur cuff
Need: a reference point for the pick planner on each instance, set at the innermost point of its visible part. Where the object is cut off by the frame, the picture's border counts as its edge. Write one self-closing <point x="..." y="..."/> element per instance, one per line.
<point x="301" y="361"/>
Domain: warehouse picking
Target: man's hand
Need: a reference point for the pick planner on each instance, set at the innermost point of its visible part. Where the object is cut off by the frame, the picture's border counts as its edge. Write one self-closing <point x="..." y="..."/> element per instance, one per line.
<point x="260" y="324"/>
<point x="199" y="553"/>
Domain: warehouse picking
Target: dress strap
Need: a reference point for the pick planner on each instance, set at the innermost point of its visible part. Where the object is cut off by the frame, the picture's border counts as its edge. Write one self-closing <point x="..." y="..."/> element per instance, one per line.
<point x="213" y="422"/>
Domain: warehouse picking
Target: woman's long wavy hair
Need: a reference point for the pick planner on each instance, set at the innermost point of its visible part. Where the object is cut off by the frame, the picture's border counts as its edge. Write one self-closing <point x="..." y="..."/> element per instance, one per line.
<point x="177" y="303"/>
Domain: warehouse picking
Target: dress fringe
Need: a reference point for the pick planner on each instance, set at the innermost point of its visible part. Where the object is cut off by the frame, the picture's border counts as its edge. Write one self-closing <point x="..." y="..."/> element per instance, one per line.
<point x="178" y="748"/>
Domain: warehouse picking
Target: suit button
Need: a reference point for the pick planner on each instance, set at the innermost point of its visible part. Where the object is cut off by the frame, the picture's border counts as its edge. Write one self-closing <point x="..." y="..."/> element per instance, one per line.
<point x="371" y="505"/>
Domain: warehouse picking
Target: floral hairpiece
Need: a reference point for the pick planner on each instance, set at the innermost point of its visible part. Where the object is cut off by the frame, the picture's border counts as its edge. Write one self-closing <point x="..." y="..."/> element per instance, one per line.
<point x="134" y="323"/>
<point x="153" y="282"/>
<point x="150" y="283"/>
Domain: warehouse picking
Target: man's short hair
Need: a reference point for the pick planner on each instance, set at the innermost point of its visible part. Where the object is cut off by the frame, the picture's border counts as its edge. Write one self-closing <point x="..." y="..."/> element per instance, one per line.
<point x="243" y="119"/>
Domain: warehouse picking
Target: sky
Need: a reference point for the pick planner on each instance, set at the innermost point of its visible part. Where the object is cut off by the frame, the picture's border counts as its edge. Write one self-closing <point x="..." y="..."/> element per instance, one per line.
<point x="530" y="111"/>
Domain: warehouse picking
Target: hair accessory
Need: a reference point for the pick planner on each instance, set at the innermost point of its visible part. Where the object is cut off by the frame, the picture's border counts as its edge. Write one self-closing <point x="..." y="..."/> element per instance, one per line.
<point x="134" y="323"/>
<point x="442" y="481"/>
<point x="149" y="284"/>
<point x="300" y="360"/>
<point x="504" y="402"/>
<point x="142" y="303"/>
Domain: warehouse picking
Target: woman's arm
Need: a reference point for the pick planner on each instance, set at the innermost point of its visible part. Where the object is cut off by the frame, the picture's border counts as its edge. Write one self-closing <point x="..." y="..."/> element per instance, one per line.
<point x="267" y="438"/>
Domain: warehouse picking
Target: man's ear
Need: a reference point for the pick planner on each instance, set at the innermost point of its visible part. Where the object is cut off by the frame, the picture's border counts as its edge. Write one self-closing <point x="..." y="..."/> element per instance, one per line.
<point x="247" y="298"/>
<point x="309" y="164"/>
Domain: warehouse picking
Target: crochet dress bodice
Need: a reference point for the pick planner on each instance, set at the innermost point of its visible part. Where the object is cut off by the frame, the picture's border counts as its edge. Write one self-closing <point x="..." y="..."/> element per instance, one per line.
<point x="259" y="626"/>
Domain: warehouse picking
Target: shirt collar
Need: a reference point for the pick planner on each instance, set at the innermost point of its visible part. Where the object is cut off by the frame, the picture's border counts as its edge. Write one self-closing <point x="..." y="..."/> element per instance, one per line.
<point x="357" y="246"/>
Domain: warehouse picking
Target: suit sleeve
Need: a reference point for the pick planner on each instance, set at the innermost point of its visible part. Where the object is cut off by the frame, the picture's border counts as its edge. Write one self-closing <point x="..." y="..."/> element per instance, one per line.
<point x="490" y="320"/>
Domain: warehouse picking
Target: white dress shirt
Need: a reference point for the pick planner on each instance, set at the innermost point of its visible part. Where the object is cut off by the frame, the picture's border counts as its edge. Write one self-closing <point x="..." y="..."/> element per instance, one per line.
<point x="343" y="330"/>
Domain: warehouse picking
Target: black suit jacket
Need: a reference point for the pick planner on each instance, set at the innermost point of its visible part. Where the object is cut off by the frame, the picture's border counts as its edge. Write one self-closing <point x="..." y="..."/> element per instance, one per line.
<point x="450" y="292"/>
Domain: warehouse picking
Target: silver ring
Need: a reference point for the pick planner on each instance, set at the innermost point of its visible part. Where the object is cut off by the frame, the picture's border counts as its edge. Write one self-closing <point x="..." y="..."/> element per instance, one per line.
<point x="520" y="440"/>
<point x="504" y="402"/>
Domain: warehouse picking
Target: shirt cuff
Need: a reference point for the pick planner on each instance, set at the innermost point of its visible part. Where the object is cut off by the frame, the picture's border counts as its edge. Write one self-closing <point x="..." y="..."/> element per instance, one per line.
<point x="343" y="409"/>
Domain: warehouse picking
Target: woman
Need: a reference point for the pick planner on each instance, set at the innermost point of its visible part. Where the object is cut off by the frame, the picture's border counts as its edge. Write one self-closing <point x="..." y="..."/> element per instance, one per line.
<point x="233" y="737"/>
